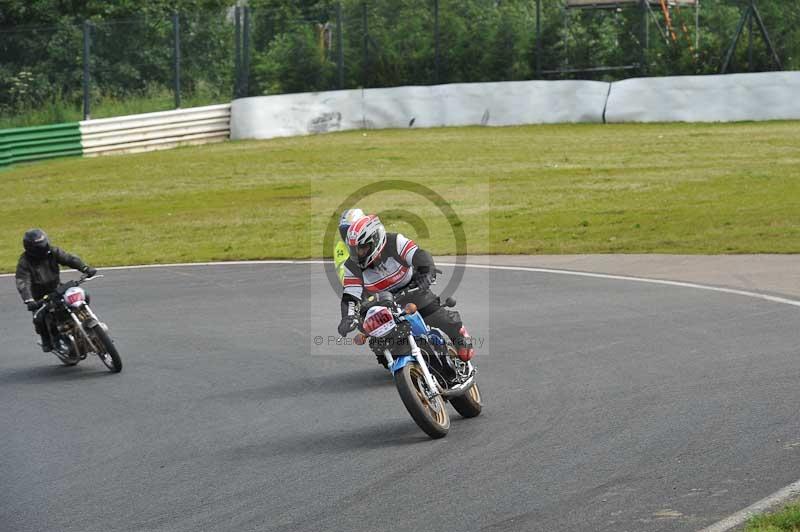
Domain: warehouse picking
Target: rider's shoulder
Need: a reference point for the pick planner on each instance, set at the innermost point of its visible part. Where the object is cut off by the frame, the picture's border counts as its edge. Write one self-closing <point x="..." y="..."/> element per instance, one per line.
<point x="400" y="241"/>
<point x="400" y="237"/>
<point x="352" y="266"/>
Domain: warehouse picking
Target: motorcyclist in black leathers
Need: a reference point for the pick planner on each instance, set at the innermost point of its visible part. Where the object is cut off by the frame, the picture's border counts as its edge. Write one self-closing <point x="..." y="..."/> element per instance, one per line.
<point x="381" y="261"/>
<point x="38" y="274"/>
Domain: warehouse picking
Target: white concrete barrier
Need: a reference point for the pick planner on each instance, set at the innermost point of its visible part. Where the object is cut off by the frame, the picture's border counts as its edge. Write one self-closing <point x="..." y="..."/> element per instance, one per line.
<point x="155" y="131"/>
<point x="766" y="96"/>
<point x="489" y="104"/>
<point x="463" y="104"/>
<point x="728" y="98"/>
<point x="289" y="115"/>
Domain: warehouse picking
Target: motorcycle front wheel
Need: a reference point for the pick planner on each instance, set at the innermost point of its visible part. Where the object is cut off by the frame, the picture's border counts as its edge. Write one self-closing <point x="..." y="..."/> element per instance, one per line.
<point x="110" y="356"/>
<point x="429" y="414"/>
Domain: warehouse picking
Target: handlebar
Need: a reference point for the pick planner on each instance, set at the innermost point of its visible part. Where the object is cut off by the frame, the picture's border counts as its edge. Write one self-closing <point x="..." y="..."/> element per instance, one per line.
<point x="63" y="287"/>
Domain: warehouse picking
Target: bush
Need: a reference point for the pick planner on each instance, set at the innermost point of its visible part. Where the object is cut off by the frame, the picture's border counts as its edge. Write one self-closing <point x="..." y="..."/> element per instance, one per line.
<point x="294" y="62"/>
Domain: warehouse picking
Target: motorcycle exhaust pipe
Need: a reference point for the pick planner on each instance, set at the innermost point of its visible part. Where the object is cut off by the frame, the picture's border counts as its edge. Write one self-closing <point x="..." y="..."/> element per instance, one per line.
<point x="459" y="390"/>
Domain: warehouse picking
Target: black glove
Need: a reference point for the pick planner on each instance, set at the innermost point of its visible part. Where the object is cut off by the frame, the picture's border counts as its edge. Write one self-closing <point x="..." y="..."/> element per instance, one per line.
<point x="424" y="279"/>
<point x="347" y="325"/>
<point x="89" y="271"/>
<point x="32" y="305"/>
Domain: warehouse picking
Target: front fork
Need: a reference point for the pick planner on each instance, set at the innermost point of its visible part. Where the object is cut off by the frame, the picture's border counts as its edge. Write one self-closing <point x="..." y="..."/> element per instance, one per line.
<point x="93" y="318"/>
<point x="80" y="327"/>
<point x="416" y="352"/>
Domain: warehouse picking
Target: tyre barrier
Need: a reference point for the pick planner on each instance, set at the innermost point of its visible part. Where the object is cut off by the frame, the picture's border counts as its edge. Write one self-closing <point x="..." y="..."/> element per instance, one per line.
<point x="124" y="134"/>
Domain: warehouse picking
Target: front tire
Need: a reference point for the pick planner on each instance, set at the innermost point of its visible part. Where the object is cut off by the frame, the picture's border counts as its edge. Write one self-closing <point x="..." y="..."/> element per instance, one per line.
<point x="429" y="414"/>
<point x="110" y="356"/>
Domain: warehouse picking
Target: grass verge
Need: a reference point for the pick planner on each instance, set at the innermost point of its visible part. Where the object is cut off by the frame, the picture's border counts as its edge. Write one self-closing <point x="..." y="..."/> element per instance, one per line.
<point x="787" y="520"/>
<point x="677" y="188"/>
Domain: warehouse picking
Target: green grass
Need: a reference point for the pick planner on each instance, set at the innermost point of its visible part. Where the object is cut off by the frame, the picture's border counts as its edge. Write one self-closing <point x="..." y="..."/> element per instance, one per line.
<point x="58" y="111"/>
<point x="679" y="188"/>
<point x="787" y="520"/>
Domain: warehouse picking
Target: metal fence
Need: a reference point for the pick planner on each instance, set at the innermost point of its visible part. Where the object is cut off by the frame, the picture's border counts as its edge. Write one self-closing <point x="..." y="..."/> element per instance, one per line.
<point x="80" y="69"/>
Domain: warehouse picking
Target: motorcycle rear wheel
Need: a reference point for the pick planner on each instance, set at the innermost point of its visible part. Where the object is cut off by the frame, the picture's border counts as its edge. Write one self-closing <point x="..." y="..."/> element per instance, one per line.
<point x="429" y="414"/>
<point x="110" y="357"/>
<point x="469" y="404"/>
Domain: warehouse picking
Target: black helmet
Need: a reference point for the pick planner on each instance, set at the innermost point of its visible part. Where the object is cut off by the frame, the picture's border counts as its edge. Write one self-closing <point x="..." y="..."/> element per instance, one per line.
<point x="36" y="244"/>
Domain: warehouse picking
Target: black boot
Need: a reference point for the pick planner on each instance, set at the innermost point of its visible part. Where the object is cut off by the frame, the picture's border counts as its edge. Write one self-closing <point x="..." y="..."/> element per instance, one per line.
<point x="47" y="345"/>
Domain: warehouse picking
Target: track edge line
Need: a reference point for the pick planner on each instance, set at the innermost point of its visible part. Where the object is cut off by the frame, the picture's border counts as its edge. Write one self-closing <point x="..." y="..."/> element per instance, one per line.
<point x="631" y="278"/>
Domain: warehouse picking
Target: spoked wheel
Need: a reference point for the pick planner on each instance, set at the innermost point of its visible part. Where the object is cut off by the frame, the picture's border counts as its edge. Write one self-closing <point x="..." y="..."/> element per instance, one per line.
<point x="429" y="413"/>
<point x="109" y="356"/>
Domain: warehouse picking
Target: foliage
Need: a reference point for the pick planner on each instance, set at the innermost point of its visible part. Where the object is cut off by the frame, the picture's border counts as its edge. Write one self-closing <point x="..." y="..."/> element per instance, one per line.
<point x="293" y="45"/>
<point x="41" y="61"/>
<point x="293" y="63"/>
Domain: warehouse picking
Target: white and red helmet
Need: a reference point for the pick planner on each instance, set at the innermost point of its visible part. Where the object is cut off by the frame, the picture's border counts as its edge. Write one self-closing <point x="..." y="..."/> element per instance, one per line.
<point x="366" y="239"/>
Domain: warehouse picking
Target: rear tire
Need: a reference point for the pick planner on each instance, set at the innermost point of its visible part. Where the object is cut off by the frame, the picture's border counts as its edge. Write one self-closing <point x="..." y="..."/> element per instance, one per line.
<point x="469" y="404"/>
<point x="110" y="357"/>
<point x="429" y="414"/>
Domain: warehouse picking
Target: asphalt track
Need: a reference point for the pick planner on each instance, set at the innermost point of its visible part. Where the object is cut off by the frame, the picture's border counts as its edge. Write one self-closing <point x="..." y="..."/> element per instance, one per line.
<point x="609" y="405"/>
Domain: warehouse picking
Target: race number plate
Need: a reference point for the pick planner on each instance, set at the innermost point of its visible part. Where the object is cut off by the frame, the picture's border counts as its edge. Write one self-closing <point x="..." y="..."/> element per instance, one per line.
<point x="378" y="322"/>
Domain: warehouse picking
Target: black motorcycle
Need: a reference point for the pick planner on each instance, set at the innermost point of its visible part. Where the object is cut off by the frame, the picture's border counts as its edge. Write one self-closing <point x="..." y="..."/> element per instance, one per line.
<point x="75" y="331"/>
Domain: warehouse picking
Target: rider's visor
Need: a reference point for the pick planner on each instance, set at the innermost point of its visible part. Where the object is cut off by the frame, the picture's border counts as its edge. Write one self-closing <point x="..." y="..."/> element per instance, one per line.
<point x="363" y="250"/>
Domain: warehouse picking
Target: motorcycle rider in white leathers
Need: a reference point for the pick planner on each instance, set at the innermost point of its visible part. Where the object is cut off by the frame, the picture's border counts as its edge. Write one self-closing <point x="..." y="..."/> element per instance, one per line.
<point x="380" y="262"/>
